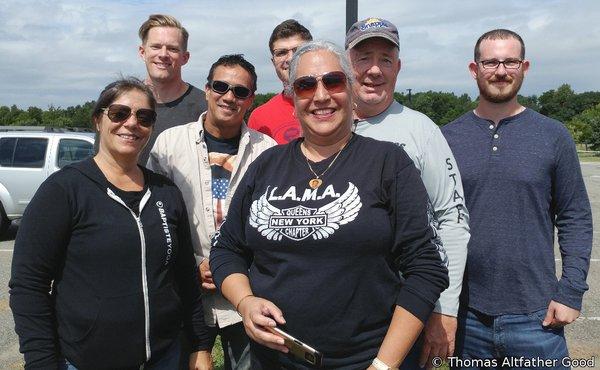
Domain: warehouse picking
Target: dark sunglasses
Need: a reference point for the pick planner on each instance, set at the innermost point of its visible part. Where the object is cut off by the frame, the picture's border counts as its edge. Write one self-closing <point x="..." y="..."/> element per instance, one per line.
<point x="221" y="87"/>
<point x="334" y="82"/>
<point x="120" y="113"/>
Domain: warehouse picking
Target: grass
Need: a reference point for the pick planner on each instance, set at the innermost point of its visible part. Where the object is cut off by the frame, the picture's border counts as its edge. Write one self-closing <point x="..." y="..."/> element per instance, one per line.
<point x="217" y="355"/>
<point x="589" y="157"/>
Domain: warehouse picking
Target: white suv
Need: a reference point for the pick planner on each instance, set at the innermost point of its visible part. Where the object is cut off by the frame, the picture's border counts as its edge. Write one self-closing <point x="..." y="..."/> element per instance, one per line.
<point x="28" y="155"/>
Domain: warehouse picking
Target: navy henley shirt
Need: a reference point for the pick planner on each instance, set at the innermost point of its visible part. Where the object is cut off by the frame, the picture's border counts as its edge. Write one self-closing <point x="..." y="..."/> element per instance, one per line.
<point x="521" y="179"/>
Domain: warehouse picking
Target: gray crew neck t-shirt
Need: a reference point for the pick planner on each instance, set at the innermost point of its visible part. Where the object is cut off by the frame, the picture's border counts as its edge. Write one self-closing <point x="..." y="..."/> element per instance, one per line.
<point x="185" y="109"/>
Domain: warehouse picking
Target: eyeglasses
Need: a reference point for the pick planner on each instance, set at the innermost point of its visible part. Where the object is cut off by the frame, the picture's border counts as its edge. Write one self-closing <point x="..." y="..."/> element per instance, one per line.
<point x="334" y="82"/>
<point x="221" y="87"/>
<point x="282" y="53"/>
<point x="508" y="63"/>
<point x="120" y="113"/>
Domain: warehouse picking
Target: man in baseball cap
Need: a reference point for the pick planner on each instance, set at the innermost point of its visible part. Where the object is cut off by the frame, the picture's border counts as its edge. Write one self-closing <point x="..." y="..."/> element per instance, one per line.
<point x="373" y="46"/>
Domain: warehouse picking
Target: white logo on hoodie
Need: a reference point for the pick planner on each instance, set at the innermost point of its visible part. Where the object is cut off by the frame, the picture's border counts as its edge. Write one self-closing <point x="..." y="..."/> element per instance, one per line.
<point x="165" y="225"/>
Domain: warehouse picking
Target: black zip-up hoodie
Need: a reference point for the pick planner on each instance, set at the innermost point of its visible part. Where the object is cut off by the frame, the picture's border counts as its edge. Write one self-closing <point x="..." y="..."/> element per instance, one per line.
<point x="121" y="284"/>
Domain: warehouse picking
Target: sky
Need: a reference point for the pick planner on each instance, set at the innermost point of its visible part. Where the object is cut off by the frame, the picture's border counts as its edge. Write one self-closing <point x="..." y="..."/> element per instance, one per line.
<point x="63" y="52"/>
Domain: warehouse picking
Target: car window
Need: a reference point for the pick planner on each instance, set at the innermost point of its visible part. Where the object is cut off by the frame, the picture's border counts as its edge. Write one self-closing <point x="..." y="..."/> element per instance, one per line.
<point x="7" y="150"/>
<point x="30" y="152"/>
<point x="73" y="150"/>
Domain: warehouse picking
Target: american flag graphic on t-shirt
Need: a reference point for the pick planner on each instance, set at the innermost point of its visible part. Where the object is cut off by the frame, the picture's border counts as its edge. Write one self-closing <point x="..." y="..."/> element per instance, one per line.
<point x="221" y="165"/>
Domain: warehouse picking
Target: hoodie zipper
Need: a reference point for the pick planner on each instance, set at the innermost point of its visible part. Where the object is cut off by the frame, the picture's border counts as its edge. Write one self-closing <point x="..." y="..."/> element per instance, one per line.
<point x="144" y="272"/>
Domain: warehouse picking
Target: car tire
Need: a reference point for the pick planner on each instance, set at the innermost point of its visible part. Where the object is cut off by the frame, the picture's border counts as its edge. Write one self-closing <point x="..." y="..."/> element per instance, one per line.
<point x="4" y="221"/>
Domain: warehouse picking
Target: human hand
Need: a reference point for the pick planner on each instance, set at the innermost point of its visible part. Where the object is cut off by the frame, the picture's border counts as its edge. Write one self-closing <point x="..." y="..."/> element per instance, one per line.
<point x="201" y="360"/>
<point x="206" y="276"/>
<point x="438" y="339"/>
<point x="559" y="315"/>
<point x="257" y="314"/>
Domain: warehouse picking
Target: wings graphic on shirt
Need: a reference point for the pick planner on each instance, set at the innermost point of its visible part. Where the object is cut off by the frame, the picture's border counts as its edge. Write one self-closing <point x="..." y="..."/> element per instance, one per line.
<point x="336" y="213"/>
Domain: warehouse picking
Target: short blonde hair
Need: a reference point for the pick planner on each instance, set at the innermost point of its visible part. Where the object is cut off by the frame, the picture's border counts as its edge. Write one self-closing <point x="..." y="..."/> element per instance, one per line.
<point x="163" y="20"/>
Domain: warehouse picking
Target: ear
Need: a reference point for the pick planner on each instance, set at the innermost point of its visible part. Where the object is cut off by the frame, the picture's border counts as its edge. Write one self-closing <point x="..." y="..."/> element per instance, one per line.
<point x="96" y="123"/>
<point x="186" y="57"/>
<point x="525" y="66"/>
<point x="399" y="66"/>
<point x="206" y="91"/>
<point x="474" y="69"/>
<point x="142" y="52"/>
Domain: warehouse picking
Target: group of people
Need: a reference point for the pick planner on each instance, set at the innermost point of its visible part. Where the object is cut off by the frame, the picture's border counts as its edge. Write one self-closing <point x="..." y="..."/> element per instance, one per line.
<point x="368" y="233"/>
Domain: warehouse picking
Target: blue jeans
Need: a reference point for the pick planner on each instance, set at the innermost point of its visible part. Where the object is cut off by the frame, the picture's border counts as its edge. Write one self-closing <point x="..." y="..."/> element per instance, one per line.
<point x="508" y="341"/>
<point x="168" y="361"/>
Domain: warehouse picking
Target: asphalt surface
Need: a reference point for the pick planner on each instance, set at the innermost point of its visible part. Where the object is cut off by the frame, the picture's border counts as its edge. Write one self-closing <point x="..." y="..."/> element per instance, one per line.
<point x="583" y="336"/>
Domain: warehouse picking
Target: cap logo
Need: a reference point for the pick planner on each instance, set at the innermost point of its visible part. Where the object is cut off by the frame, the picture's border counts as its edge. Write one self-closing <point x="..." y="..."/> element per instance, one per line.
<point x="373" y="23"/>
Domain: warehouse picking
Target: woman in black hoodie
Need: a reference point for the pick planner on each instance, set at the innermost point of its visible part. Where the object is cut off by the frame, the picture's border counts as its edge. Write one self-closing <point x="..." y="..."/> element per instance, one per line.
<point x="103" y="271"/>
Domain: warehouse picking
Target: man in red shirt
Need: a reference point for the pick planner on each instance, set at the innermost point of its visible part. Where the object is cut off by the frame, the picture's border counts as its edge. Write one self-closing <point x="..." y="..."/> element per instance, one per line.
<point x="276" y="117"/>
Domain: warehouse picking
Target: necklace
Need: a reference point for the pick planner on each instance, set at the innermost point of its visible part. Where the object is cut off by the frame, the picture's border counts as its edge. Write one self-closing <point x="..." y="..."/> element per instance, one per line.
<point x="317" y="181"/>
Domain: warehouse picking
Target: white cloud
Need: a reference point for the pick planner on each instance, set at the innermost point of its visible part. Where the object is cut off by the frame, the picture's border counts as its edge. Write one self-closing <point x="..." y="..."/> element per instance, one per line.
<point x="63" y="52"/>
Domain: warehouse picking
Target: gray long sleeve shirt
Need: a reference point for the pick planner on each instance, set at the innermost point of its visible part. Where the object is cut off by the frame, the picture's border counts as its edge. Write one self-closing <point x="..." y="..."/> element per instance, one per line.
<point x="425" y="145"/>
<point x="522" y="178"/>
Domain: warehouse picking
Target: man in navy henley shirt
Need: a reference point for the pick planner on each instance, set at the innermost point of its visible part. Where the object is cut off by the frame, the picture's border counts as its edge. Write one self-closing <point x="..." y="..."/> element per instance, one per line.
<point x="522" y="178"/>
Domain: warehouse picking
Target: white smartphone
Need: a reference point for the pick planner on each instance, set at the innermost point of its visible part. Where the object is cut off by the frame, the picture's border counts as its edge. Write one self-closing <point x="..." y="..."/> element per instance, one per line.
<point x="298" y="348"/>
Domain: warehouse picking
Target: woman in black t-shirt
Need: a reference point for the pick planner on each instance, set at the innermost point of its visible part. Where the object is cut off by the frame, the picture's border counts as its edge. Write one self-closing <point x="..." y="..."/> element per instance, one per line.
<point x="318" y="230"/>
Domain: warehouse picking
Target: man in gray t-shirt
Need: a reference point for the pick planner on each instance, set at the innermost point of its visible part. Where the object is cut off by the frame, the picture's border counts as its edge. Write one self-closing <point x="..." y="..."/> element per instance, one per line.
<point x="164" y="51"/>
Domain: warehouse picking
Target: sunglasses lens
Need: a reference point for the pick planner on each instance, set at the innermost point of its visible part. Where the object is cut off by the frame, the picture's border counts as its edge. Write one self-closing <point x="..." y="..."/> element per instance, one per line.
<point x="241" y="92"/>
<point x="305" y="86"/>
<point x="220" y="87"/>
<point x="118" y="113"/>
<point x="145" y="117"/>
<point x="334" y="82"/>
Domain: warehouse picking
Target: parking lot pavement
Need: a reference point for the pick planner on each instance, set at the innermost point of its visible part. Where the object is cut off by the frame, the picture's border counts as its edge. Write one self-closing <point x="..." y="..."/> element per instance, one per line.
<point x="10" y="358"/>
<point x="583" y="336"/>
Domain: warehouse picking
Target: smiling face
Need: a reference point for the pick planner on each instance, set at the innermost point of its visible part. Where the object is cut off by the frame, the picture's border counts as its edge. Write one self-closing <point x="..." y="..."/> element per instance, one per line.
<point x="281" y="60"/>
<point x="163" y="54"/>
<point x="376" y="65"/>
<point x="124" y="139"/>
<point x="499" y="85"/>
<point x="326" y="116"/>
<point x="225" y="112"/>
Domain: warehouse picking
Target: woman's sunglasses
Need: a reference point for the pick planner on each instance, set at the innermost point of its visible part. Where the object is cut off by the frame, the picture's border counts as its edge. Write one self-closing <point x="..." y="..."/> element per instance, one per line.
<point x="119" y="113"/>
<point x="334" y="82"/>
<point x="221" y="87"/>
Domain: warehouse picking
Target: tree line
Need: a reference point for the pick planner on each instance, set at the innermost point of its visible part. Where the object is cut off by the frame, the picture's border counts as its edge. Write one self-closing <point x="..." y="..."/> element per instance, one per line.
<point x="580" y="112"/>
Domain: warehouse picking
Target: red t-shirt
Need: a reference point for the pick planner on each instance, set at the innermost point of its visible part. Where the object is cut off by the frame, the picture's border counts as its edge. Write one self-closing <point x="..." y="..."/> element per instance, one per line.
<point x="276" y="119"/>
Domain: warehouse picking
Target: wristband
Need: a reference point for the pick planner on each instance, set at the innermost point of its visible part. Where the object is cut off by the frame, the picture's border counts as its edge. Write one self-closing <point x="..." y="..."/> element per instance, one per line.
<point x="380" y="365"/>
<point x="240" y="301"/>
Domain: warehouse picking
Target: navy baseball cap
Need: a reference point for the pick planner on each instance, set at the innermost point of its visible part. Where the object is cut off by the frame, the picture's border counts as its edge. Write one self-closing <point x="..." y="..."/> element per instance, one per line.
<point x="371" y="27"/>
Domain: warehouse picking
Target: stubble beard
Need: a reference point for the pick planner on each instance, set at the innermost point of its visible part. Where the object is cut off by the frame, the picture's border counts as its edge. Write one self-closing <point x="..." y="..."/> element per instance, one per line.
<point x="503" y="96"/>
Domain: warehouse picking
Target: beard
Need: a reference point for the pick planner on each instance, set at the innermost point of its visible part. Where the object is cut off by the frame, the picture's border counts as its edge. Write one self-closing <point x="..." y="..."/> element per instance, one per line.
<point x="496" y="95"/>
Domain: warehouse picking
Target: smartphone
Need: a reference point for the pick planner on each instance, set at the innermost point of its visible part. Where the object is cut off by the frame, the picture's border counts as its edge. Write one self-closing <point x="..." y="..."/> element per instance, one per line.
<point x="298" y="348"/>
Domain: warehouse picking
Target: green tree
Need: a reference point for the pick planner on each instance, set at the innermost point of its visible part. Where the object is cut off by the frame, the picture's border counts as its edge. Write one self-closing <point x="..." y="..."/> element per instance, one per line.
<point x="587" y="124"/>
<point x="35" y="115"/>
<point x="8" y="115"/>
<point x="55" y="117"/>
<point x="559" y="104"/>
<point x="441" y="107"/>
<point x="529" y="102"/>
<point x="5" y="116"/>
